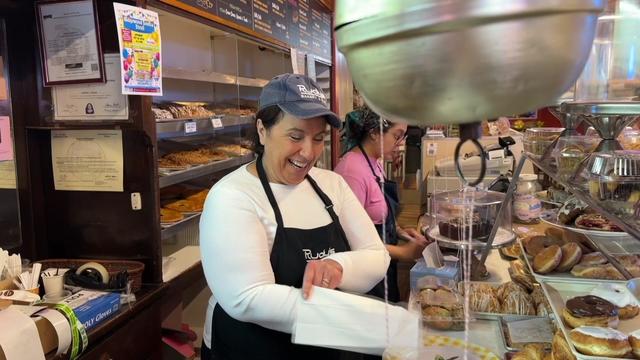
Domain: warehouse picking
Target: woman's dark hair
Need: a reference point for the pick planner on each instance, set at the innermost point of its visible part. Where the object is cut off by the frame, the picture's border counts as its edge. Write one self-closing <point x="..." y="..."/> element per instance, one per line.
<point x="269" y="116"/>
<point x="359" y="124"/>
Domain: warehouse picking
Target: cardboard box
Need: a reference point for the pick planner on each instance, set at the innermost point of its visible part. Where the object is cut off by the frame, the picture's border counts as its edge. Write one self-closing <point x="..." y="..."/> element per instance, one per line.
<point x="93" y="307"/>
<point x="46" y="331"/>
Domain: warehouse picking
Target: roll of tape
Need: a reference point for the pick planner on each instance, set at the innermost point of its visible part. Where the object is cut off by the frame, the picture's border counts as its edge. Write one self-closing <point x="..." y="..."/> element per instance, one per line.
<point x="97" y="267"/>
<point x="62" y="327"/>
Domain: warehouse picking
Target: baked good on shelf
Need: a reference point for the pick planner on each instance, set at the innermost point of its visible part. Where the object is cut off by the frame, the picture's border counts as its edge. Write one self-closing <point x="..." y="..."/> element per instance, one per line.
<point x="534" y="244"/>
<point x="213" y="154"/>
<point x="631" y="263"/>
<point x="580" y="239"/>
<point x="618" y="295"/>
<point x="233" y="149"/>
<point x="170" y="216"/>
<point x="547" y="260"/>
<point x="538" y="295"/>
<point x="560" y="348"/>
<point x="184" y="206"/>
<point x="590" y="310"/>
<point x="483" y="299"/>
<point x="161" y="114"/>
<point x="508" y="287"/>
<point x="571" y="255"/>
<point x="437" y="317"/>
<point x="595" y="258"/>
<point x="171" y="164"/>
<point x="188" y="157"/>
<point x="634" y="341"/>
<point x="570" y="210"/>
<point x="442" y="309"/>
<point x="522" y="278"/>
<point x="195" y="194"/>
<point x="600" y="341"/>
<point x="554" y="233"/>
<point x="518" y="303"/>
<point x="596" y="222"/>
<point x="533" y="352"/>
<point x="512" y="251"/>
<point x="602" y="272"/>
<point x="172" y="192"/>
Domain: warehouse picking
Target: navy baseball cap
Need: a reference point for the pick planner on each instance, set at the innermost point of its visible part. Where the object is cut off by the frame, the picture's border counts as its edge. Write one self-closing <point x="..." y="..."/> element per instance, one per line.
<point x="299" y="96"/>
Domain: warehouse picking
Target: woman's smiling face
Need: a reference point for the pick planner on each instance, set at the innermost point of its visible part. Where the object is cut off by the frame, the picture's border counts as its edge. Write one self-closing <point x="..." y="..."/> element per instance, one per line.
<point x="291" y="147"/>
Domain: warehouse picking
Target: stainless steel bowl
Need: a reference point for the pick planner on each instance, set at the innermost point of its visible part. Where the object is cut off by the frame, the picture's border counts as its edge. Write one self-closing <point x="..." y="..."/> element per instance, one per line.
<point x="459" y="61"/>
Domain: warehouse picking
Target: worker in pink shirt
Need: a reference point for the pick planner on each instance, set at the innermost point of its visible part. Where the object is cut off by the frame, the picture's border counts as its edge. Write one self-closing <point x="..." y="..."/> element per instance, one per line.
<point x="360" y="166"/>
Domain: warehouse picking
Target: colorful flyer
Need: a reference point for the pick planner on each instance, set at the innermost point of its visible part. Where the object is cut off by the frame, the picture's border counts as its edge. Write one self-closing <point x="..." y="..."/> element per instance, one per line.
<point x="6" y="141"/>
<point x="139" y="39"/>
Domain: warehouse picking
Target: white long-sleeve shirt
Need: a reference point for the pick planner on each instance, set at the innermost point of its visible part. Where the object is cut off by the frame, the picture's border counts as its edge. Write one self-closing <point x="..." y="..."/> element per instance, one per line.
<point x="237" y="230"/>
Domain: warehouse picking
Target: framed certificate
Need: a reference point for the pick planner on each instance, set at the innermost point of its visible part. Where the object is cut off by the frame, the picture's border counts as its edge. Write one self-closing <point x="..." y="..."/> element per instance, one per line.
<point x="70" y="48"/>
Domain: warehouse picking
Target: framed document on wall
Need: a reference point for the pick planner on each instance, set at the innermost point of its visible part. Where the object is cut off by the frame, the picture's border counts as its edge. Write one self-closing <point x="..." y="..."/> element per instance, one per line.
<point x="70" y="48"/>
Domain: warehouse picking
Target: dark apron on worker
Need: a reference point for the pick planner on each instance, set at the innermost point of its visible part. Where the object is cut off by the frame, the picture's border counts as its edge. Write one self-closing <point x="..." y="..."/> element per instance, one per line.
<point x="390" y="191"/>
<point x="292" y="248"/>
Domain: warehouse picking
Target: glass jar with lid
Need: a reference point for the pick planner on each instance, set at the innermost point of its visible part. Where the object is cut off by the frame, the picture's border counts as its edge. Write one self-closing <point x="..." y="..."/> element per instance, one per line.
<point x="526" y="206"/>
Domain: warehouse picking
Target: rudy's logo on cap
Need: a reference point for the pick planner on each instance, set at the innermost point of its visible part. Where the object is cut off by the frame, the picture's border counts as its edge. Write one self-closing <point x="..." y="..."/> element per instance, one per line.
<point x="311" y="94"/>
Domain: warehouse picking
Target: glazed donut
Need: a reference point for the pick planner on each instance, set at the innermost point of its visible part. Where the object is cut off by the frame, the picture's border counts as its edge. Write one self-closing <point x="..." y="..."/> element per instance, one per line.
<point x="618" y="295"/>
<point x="595" y="258"/>
<point x="547" y="260"/>
<point x="634" y="340"/>
<point x="599" y="341"/>
<point x="571" y="255"/>
<point x="590" y="311"/>
<point x="560" y="348"/>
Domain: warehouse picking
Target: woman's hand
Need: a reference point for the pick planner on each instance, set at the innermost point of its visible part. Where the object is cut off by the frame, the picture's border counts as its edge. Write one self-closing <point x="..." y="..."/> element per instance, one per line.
<point x="326" y="273"/>
<point x="411" y="234"/>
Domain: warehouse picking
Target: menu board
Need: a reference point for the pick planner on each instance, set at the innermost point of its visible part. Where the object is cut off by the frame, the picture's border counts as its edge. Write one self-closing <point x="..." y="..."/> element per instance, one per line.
<point x="301" y="24"/>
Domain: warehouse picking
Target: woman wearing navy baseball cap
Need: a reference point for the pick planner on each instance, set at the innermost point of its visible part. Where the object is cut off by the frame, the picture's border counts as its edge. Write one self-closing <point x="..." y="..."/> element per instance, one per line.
<point x="274" y="228"/>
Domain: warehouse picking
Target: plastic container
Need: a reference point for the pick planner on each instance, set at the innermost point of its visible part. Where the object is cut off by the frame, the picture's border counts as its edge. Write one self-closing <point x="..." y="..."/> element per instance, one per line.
<point x="472" y="214"/>
<point x="570" y="151"/>
<point x="614" y="180"/>
<point x="537" y="140"/>
<point x="526" y="206"/>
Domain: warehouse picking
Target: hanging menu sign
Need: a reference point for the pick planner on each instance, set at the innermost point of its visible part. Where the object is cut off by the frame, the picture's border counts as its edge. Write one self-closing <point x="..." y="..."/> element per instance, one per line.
<point x="302" y="24"/>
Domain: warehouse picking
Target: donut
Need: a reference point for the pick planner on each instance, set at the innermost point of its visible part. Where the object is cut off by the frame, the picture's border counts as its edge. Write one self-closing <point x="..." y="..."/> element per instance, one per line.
<point x="595" y="258"/>
<point x="547" y="260"/>
<point x="634" y="340"/>
<point x="533" y="245"/>
<point x="571" y="255"/>
<point x="603" y="272"/>
<point x="618" y="295"/>
<point x="560" y="348"/>
<point x="554" y="233"/>
<point x="590" y="310"/>
<point x="600" y="341"/>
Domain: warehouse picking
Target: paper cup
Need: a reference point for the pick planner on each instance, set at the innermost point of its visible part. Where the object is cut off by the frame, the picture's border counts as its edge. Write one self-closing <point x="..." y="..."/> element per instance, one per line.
<point x="53" y="284"/>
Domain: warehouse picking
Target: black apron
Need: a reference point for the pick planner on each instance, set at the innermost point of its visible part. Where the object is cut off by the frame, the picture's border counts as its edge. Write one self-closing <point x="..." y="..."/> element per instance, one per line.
<point x="390" y="191"/>
<point x="292" y="248"/>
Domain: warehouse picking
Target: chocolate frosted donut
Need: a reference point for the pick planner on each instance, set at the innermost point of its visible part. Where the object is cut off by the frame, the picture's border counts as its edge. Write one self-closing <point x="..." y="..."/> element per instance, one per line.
<point x="590" y="305"/>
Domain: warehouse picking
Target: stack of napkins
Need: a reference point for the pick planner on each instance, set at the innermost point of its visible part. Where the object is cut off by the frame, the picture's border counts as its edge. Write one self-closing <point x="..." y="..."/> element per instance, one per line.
<point x="339" y="320"/>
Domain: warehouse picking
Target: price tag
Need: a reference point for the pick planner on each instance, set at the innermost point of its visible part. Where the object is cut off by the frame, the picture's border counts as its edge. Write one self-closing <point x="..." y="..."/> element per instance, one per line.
<point x="216" y="123"/>
<point x="190" y="127"/>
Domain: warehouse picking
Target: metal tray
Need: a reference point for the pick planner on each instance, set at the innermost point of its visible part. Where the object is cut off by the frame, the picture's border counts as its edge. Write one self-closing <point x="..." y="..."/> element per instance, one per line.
<point x="553" y="276"/>
<point x="559" y="291"/>
<point x="504" y="320"/>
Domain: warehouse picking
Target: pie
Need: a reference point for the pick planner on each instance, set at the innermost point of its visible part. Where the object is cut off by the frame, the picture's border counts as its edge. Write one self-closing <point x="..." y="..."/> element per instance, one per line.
<point x="595" y="222"/>
<point x="172" y="192"/>
<point x="170" y="216"/>
<point x="185" y="206"/>
<point x="165" y="163"/>
<point x="188" y="157"/>
<point x="213" y="155"/>
<point x="235" y="150"/>
<point x="196" y="194"/>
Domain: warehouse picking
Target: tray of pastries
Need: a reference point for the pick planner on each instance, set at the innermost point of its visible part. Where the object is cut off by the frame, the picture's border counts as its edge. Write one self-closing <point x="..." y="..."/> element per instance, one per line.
<point x="179" y="203"/>
<point x="572" y="258"/>
<point x="493" y="301"/>
<point x="559" y="350"/>
<point x="576" y="216"/>
<point x="183" y="160"/>
<point x="441" y="304"/>
<point x="599" y="320"/>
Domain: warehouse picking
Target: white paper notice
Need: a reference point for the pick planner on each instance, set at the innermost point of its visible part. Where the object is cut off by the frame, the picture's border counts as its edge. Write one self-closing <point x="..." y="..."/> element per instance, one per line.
<point x="7" y="174"/>
<point x="93" y="101"/>
<point x="87" y="160"/>
<point x="20" y="340"/>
